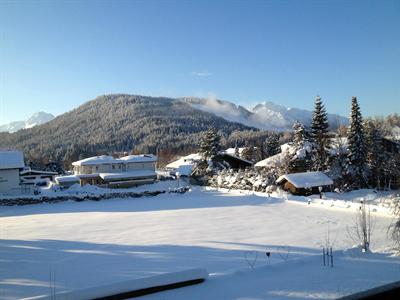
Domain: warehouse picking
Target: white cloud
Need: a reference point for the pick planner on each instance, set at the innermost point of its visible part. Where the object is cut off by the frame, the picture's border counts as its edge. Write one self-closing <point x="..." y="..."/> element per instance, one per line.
<point x="201" y="74"/>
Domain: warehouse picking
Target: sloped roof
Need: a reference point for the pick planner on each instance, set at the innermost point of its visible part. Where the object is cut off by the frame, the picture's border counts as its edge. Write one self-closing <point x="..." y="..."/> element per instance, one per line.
<point x="239" y="158"/>
<point x="67" y="178"/>
<point x="11" y="160"/>
<point x="306" y="180"/>
<point x="272" y="161"/>
<point x="95" y="160"/>
<point x="105" y="159"/>
<point x="139" y="158"/>
<point x="184" y="161"/>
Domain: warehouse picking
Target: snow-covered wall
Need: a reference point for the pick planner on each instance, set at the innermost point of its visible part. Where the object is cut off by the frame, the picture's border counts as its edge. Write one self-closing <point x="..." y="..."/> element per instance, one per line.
<point x="129" y="286"/>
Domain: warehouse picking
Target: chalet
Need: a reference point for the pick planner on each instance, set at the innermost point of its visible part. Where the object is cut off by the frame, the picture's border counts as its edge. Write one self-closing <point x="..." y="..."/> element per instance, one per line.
<point x="11" y="162"/>
<point x="185" y="164"/>
<point x="107" y="171"/>
<point x="304" y="183"/>
<point x="234" y="161"/>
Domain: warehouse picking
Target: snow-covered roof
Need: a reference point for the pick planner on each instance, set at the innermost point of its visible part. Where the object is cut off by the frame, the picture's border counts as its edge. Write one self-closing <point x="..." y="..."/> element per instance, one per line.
<point x="126" y="175"/>
<point x="185" y="161"/>
<point x="287" y="149"/>
<point x="105" y="159"/>
<point x="11" y="160"/>
<point x="95" y="160"/>
<point x="272" y="161"/>
<point x="68" y="178"/>
<point x="233" y="150"/>
<point x="139" y="158"/>
<point x="306" y="180"/>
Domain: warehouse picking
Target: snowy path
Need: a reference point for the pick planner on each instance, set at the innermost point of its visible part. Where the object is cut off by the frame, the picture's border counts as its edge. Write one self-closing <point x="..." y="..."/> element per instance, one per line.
<point x="93" y="243"/>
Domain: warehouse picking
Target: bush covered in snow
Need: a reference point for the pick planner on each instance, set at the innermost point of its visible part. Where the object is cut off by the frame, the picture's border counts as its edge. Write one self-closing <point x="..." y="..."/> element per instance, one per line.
<point x="259" y="180"/>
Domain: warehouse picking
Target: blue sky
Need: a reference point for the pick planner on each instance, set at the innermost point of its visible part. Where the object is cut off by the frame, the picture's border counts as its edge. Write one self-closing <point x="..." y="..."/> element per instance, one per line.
<point x="56" y="55"/>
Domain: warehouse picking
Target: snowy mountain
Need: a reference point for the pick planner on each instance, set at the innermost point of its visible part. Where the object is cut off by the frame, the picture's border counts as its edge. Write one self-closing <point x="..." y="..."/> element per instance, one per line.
<point x="36" y="119"/>
<point x="267" y="115"/>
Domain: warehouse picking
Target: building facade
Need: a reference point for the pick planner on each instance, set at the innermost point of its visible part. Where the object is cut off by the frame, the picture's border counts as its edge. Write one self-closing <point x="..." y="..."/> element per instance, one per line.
<point x="11" y="162"/>
<point x="107" y="171"/>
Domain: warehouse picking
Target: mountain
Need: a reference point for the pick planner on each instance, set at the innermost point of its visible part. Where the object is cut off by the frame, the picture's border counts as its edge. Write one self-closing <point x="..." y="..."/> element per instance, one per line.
<point x="36" y="119"/>
<point x="117" y="123"/>
<point x="265" y="116"/>
<point x="159" y="125"/>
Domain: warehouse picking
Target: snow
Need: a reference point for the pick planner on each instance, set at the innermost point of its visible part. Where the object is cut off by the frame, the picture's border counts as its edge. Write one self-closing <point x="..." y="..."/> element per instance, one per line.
<point x="306" y="179"/>
<point x="97" y="243"/>
<point x="272" y="161"/>
<point x="266" y="115"/>
<point x="36" y="119"/>
<point x="67" y="178"/>
<point x="128" y="174"/>
<point x="102" y="159"/>
<point x="277" y="159"/>
<point x="129" y="285"/>
<point x="105" y="159"/>
<point x="185" y="164"/>
<point x="233" y="150"/>
<point x="11" y="160"/>
<point x="139" y="158"/>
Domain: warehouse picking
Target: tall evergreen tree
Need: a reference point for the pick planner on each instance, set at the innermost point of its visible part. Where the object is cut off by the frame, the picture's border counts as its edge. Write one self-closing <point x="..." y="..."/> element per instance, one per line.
<point x="249" y="152"/>
<point x="260" y="150"/>
<point x="272" y="145"/>
<point x="300" y="133"/>
<point x="375" y="152"/>
<point x="210" y="144"/>
<point x="357" y="151"/>
<point x="319" y="135"/>
<point x="237" y="152"/>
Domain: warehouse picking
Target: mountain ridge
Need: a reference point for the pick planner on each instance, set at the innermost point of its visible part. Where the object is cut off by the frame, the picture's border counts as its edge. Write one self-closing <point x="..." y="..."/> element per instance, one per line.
<point x="37" y="118"/>
<point x="264" y="116"/>
<point x="124" y="123"/>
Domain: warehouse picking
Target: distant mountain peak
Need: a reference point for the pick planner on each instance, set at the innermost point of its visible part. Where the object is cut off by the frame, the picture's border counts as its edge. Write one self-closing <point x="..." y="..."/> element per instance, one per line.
<point x="37" y="118"/>
<point x="266" y="115"/>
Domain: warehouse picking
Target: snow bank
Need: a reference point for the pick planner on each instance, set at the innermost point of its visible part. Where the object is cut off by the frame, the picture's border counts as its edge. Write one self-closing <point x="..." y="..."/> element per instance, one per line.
<point x="130" y="285"/>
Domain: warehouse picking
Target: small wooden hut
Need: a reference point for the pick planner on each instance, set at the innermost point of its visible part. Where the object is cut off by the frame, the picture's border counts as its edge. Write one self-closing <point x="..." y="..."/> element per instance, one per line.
<point x="305" y="183"/>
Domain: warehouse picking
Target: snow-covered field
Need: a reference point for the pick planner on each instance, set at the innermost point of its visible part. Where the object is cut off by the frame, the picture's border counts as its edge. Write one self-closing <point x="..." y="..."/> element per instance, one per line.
<point x="86" y="244"/>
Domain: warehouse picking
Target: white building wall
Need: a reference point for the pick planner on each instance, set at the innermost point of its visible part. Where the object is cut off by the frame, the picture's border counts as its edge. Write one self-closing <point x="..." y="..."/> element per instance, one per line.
<point x="141" y="166"/>
<point x="9" y="181"/>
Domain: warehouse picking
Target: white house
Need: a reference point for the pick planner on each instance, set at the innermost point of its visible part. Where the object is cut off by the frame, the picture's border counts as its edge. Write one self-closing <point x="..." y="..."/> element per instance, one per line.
<point x="11" y="162"/>
<point x="36" y="177"/>
<point x="183" y="165"/>
<point x="108" y="171"/>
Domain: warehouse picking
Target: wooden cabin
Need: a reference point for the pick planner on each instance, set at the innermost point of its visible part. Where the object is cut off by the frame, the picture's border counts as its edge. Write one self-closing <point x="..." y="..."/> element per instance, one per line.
<point x="305" y="183"/>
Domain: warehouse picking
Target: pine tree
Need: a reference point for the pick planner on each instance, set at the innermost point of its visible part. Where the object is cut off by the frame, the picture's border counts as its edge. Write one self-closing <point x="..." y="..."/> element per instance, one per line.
<point x="375" y="152"/>
<point x="357" y="152"/>
<point x="260" y="151"/>
<point x="300" y="133"/>
<point x="272" y="145"/>
<point x="319" y="135"/>
<point x="237" y="152"/>
<point x="210" y="144"/>
<point x="248" y="152"/>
